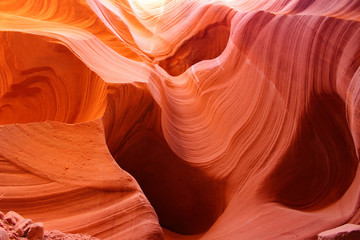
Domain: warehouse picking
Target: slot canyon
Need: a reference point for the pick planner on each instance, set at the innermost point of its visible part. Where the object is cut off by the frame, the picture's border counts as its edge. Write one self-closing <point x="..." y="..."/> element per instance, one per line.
<point x="180" y="119"/>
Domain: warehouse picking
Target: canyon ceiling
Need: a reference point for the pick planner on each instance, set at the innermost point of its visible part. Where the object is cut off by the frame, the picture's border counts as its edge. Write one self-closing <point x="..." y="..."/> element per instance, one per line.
<point x="181" y="119"/>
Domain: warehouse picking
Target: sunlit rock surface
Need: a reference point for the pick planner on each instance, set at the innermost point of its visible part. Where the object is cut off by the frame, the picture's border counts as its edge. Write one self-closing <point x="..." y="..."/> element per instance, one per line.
<point x="177" y="119"/>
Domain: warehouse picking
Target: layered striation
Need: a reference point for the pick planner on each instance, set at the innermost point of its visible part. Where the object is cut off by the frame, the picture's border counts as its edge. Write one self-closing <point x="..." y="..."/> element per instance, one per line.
<point x="181" y="119"/>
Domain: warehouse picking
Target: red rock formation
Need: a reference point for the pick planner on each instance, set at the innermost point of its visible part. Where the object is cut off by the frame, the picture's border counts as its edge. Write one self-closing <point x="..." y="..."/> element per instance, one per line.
<point x="13" y="226"/>
<point x="157" y="119"/>
<point x="347" y="231"/>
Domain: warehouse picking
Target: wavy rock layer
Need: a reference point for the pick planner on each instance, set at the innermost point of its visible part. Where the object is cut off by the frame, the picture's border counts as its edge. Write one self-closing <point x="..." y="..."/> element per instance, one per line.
<point x="65" y="176"/>
<point x="238" y="119"/>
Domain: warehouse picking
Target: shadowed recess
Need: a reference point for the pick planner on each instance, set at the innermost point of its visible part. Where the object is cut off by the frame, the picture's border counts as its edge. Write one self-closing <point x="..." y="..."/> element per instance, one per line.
<point x="184" y="199"/>
<point x="229" y="119"/>
<point x="321" y="163"/>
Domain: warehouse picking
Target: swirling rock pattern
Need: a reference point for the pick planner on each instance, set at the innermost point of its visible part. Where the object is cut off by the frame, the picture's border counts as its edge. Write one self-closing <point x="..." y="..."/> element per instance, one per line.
<point x="180" y="119"/>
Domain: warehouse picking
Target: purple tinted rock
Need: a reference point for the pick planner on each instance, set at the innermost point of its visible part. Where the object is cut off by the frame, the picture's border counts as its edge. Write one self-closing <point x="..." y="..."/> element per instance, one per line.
<point x="21" y="226"/>
<point x="35" y="231"/>
<point x="12" y="217"/>
<point x="3" y="234"/>
<point x="344" y="232"/>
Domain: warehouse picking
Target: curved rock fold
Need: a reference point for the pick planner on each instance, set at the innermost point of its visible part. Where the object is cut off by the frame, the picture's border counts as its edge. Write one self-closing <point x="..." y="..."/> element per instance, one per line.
<point x="170" y="119"/>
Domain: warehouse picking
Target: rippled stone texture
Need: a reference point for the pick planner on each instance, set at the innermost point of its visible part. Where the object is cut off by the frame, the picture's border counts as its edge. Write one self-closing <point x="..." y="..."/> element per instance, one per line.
<point x="170" y="119"/>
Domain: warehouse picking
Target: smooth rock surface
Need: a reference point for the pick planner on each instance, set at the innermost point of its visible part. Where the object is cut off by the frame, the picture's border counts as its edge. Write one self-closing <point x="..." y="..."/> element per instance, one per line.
<point x="181" y="119"/>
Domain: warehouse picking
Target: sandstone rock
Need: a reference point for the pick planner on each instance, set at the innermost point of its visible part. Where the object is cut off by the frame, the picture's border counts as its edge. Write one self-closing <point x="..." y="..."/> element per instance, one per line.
<point x="239" y="119"/>
<point x="344" y="232"/>
<point x="12" y="217"/>
<point x="58" y="235"/>
<point x="35" y="231"/>
<point x="1" y="215"/>
<point x="3" y="234"/>
<point x="21" y="226"/>
<point x="55" y="234"/>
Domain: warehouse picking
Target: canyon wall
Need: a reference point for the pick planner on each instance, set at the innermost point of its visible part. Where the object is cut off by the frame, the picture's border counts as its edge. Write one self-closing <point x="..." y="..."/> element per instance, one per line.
<point x="176" y="119"/>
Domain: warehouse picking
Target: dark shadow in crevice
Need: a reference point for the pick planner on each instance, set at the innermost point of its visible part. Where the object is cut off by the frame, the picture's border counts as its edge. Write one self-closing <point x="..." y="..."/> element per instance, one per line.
<point x="185" y="200"/>
<point x="321" y="163"/>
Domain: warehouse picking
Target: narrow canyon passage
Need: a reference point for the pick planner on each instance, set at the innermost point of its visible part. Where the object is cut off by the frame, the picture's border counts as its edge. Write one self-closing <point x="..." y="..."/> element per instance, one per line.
<point x="174" y="119"/>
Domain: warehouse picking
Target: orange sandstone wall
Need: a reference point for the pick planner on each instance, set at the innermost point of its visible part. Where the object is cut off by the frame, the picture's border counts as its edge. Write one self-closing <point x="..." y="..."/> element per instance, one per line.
<point x="175" y="119"/>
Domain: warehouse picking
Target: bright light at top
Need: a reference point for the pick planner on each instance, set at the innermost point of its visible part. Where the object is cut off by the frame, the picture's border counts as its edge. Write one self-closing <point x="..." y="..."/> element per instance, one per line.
<point x="150" y="3"/>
